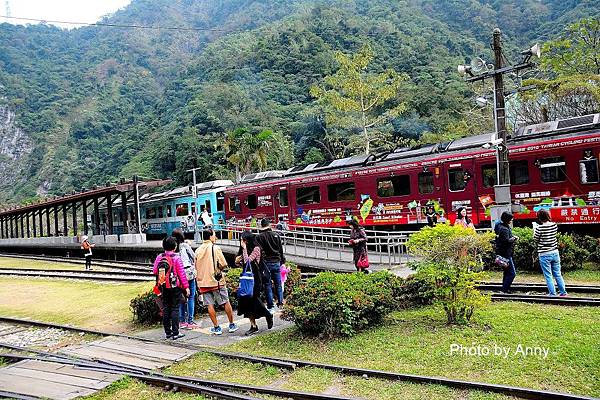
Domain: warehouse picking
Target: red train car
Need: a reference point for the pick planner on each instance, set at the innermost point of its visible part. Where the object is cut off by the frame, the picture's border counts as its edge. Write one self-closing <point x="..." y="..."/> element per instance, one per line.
<point x="552" y="165"/>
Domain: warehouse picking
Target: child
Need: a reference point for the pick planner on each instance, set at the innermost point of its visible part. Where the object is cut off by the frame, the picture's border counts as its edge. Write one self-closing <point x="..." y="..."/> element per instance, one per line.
<point x="284" y="271"/>
<point x="87" y="252"/>
<point x="170" y="280"/>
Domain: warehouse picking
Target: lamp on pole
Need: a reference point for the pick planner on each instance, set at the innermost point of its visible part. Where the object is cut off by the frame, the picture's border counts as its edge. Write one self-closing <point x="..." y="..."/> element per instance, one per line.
<point x="496" y="72"/>
<point x="195" y="196"/>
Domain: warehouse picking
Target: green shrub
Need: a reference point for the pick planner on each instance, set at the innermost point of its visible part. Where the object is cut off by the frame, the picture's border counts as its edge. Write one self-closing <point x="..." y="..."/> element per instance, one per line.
<point x="145" y="308"/>
<point x="451" y="263"/>
<point x="333" y="304"/>
<point x="415" y="291"/>
<point x="232" y="279"/>
<point x="573" y="251"/>
<point x="293" y="279"/>
<point x="590" y="244"/>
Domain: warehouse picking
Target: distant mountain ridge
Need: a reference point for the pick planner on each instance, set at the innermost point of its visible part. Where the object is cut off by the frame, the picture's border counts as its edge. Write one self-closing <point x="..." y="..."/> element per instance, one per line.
<point x="96" y="103"/>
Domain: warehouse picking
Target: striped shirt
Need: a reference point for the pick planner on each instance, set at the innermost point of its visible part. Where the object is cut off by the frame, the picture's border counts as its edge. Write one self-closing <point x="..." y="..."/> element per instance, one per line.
<point x="544" y="236"/>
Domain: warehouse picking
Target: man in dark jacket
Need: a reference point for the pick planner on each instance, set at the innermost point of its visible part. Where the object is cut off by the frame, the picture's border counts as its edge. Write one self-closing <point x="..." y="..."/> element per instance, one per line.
<point x="270" y="243"/>
<point x="505" y="242"/>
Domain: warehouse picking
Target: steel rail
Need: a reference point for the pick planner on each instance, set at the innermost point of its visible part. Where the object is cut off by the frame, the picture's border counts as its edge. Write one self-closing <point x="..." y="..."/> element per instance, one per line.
<point x="72" y="260"/>
<point x="521" y="392"/>
<point x="534" y="287"/>
<point x="544" y="299"/>
<point x="74" y="275"/>
<point x="79" y="271"/>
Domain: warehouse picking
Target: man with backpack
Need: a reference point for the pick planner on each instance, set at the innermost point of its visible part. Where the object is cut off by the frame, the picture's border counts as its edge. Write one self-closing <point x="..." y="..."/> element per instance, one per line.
<point x="171" y="283"/>
<point x="210" y="263"/>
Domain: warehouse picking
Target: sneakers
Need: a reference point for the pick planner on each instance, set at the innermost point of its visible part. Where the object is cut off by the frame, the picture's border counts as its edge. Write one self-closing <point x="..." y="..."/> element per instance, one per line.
<point x="272" y="310"/>
<point x="178" y="336"/>
<point x="193" y="325"/>
<point x="168" y="336"/>
<point x="270" y="321"/>
<point x="251" y="331"/>
<point x="563" y="294"/>
<point x="216" y="330"/>
<point x="184" y="325"/>
<point x="232" y="328"/>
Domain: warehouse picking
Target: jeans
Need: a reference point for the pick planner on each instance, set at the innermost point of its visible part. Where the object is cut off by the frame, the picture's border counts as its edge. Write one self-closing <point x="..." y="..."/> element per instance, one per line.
<point x="508" y="275"/>
<point x="550" y="263"/>
<point x="186" y="310"/>
<point x="274" y="269"/>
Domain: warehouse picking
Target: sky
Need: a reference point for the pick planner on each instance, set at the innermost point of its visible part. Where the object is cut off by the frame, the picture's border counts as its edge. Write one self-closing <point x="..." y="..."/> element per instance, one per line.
<point x="63" y="10"/>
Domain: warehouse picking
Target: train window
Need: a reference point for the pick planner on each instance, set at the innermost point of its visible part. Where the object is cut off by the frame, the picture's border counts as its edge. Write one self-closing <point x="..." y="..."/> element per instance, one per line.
<point x="182" y="210"/>
<point x="252" y="201"/>
<point x="169" y="212"/>
<point x="588" y="171"/>
<point x="426" y="182"/>
<point x="519" y="172"/>
<point x="161" y="213"/>
<point x="456" y="179"/>
<point x="344" y="191"/>
<point x="151" y="213"/>
<point x="393" y="186"/>
<point x="552" y="169"/>
<point x="193" y="208"/>
<point x="283" y="198"/>
<point x="308" y="195"/>
<point x="220" y="201"/>
<point x="488" y="175"/>
<point x="208" y="206"/>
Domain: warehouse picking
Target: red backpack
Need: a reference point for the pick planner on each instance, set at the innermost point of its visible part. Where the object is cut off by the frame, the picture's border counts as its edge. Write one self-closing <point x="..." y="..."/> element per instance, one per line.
<point x="167" y="277"/>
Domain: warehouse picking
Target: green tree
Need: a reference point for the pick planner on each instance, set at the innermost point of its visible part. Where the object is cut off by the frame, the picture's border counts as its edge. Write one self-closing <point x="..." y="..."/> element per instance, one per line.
<point x="357" y="100"/>
<point x="571" y="65"/>
<point x="246" y="150"/>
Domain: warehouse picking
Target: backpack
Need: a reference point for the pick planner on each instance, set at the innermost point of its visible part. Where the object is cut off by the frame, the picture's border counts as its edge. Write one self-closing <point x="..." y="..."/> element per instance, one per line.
<point x="167" y="277"/>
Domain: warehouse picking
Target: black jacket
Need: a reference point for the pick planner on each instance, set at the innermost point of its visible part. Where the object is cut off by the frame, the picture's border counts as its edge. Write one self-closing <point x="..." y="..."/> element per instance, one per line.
<point x="504" y="240"/>
<point x="270" y="243"/>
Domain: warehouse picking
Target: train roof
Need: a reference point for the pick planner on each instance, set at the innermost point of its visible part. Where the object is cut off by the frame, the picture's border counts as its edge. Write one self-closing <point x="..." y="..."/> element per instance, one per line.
<point x="529" y="133"/>
<point x="203" y="187"/>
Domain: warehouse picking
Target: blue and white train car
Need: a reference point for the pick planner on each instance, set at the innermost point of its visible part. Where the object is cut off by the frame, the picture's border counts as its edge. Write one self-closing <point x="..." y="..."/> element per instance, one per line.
<point x="162" y="212"/>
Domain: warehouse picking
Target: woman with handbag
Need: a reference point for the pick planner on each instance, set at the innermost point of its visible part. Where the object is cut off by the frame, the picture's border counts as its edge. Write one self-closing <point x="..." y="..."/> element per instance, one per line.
<point x="358" y="241"/>
<point x="505" y="242"/>
<point x="249" y="303"/>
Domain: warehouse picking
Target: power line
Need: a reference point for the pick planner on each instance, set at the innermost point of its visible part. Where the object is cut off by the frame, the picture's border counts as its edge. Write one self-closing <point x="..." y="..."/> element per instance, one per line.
<point x="106" y="24"/>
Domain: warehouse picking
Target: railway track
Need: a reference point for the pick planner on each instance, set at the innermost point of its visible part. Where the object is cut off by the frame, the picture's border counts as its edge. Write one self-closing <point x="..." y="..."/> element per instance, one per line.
<point x="70" y="274"/>
<point x="538" y="287"/>
<point x="129" y="266"/>
<point x="226" y="389"/>
<point x="544" y="299"/>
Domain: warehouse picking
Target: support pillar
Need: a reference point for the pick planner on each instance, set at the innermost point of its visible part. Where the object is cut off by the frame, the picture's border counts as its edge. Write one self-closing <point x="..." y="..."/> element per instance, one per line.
<point x="48" y="221"/>
<point x="109" y="210"/>
<point x="2" y="227"/>
<point x="12" y="228"/>
<point x="136" y="205"/>
<point x="55" y="221"/>
<point x="74" y="205"/>
<point x="42" y="223"/>
<point x="34" y="224"/>
<point x="28" y="226"/>
<point x="96" y="217"/>
<point x="84" y="215"/>
<point x="125" y="212"/>
<point x="65" y="223"/>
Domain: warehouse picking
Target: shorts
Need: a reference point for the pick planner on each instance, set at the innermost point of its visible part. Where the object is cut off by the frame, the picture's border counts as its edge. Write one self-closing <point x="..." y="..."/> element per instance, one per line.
<point x="216" y="297"/>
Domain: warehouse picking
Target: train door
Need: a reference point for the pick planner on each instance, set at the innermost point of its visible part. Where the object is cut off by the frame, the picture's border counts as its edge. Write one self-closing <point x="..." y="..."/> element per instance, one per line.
<point x="460" y="188"/>
<point x="281" y="205"/>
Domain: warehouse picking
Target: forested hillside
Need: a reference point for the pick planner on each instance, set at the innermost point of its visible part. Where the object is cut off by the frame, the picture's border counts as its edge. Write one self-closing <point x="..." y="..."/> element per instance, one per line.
<point x="96" y="103"/>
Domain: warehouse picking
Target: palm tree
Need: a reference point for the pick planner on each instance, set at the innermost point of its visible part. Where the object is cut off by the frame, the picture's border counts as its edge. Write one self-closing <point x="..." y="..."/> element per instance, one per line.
<point x="247" y="150"/>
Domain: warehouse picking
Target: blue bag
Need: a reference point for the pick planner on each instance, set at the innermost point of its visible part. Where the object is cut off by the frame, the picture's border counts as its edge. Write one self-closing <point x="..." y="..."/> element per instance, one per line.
<point x="246" y="288"/>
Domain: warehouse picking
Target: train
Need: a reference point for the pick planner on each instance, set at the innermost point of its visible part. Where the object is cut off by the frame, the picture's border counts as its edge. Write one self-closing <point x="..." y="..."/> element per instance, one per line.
<point x="553" y="165"/>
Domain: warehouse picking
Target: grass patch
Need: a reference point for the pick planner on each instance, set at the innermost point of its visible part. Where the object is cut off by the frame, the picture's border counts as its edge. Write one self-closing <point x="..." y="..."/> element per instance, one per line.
<point x="127" y="389"/>
<point x="418" y="342"/>
<point x="96" y="305"/>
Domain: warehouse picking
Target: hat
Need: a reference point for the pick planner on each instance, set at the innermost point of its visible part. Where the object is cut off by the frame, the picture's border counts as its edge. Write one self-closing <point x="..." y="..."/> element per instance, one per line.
<point x="84" y="238"/>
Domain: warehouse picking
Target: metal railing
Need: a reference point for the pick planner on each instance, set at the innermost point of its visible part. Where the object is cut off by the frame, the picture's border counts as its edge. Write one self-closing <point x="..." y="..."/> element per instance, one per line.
<point x="328" y="244"/>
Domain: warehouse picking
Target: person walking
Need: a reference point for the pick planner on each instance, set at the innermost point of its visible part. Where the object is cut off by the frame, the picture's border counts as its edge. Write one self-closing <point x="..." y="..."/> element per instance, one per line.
<point x="171" y="282"/>
<point x="505" y="242"/>
<point x="86" y="246"/>
<point x="358" y="241"/>
<point x="187" y="310"/>
<point x="272" y="247"/>
<point x="252" y="307"/>
<point x="544" y="237"/>
<point x="462" y="219"/>
<point x="206" y="219"/>
<point x="210" y="263"/>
